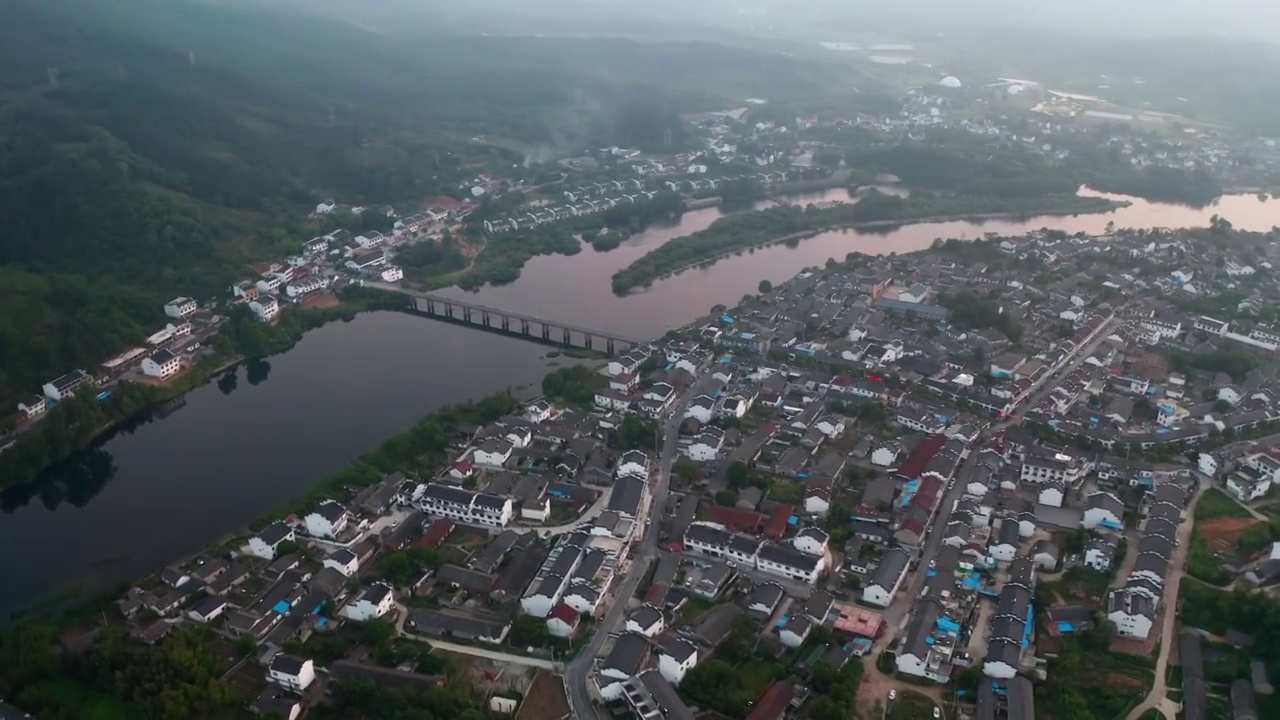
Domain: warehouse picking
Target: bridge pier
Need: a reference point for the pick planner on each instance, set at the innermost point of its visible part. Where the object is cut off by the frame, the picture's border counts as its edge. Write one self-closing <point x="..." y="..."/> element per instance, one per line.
<point x="466" y="314"/>
<point x="586" y="339"/>
<point x="546" y="332"/>
<point x="608" y="347"/>
<point x="524" y="327"/>
<point x="506" y="324"/>
<point x="484" y="318"/>
<point x="568" y="337"/>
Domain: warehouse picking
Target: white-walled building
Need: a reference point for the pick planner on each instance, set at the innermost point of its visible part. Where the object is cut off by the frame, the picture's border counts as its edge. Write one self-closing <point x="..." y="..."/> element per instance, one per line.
<point x="676" y="657"/>
<point x="161" y="365"/>
<point x="373" y="602"/>
<point x="181" y="308"/>
<point x="265" y="307"/>
<point x="328" y="520"/>
<point x="466" y="507"/>
<point x="266" y="543"/>
<point x="291" y="673"/>
<point x="887" y="578"/>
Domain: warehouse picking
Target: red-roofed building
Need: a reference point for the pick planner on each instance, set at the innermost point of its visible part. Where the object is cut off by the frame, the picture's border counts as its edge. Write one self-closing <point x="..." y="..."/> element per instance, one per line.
<point x="461" y="469"/>
<point x="773" y="704"/>
<point x="437" y="532"/>
<point x="778" y="521"/>
<point x="737" y="519"/>
<point x="928" y="493"/>
<point x="563" y="621"/>
<point x="921" y="456"/>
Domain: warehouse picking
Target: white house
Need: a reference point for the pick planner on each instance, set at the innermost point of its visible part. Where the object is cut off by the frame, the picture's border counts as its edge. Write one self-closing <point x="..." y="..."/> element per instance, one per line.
<point x="373" y="602"/>
<point x="706" y="446"/>
<point x="1207" y="464"/>
<point x="1133" y="613"/>
<point x="634" y="463"/>
<point x="702" y="409"/>
<point x="180" y="307"/>
<point x="392" y="273"/>
<point x="1246" y="486"/>
<point x="328" y="520"/>
<point x="1004" y="546"/>
<point x="264" y="307"/>
<point x="344" y="561"/>
<point x="538" y="411"/>
<point x="624" y="661"/>
<point x="306" y="285"/>
<point x="291" y="673"/>
<point x="676" y="656"/>
<point x="1102" y="509"/>
<point x="209" y="609"/>
<point x="811" y="541"/>
<point x="33" y="406"/>
<point x="161" y="364"/>
<point x="66" y="385"/>
<point x="326" y="207"/>
<point x="817" y="500"/>
<point x="494" y="452"/>
<point x="646" y="620"/>
<point x="465" y="506"/>
<point x="831" y="425"/>
<point x="795" y="631"/>
<point x="887" y="578"/>
<point x="1100" y="552"/>
<point x="885" y="455"/>
<point x="266" y="543"/>
<point x="1051" y="494"/>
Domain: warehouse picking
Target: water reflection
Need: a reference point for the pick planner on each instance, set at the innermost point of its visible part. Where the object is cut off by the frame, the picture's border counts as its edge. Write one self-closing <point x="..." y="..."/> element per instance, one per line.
<point x="75" y="481"/>
<point x="257" y="371"/>
<point x="229" y="380"/>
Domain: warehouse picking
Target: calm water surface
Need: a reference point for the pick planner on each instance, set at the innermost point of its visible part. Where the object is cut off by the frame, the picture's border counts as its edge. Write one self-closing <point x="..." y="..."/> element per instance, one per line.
<point x="173" y="485"/>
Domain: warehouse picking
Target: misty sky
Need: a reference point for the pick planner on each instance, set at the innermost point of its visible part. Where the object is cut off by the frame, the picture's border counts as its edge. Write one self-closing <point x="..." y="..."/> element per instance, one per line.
<point x="1256" y="19"/>
<point x="1253" y="18"/>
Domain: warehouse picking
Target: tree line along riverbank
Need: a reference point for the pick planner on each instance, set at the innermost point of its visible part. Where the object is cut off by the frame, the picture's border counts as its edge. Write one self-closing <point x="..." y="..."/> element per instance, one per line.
<point x="74" y="424"/>
<point x="734" y="233"/>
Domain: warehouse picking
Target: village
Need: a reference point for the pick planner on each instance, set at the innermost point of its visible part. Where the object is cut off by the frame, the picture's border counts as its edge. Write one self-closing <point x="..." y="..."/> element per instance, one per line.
<point x="930" y="468"/>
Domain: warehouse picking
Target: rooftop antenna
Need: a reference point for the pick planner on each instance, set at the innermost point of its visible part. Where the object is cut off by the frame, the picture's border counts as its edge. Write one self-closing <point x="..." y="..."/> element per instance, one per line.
<point x="53" y="77"/>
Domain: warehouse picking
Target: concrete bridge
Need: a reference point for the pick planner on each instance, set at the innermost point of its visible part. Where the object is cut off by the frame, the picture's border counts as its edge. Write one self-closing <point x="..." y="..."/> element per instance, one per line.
<point x="519" y="325"/>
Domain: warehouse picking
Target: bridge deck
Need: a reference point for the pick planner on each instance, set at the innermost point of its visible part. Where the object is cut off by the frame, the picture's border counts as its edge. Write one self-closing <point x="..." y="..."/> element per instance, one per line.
<point x="500" y="313"/>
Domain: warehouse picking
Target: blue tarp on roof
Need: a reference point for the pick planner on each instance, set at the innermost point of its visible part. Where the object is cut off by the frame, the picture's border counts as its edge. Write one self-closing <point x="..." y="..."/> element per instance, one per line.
<point x="726" y="318"/>
<point x="782" y="621"/>
<point x="1066" y="627"/>
<point x="793" y="520"/>
<point x="948" y="625"/>
<point x="281" y="607"/>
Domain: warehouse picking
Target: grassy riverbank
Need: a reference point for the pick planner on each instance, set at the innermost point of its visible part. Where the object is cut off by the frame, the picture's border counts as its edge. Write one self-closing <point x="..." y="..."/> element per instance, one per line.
<point x="76" y="423"/>
<point x="734" y="233"/>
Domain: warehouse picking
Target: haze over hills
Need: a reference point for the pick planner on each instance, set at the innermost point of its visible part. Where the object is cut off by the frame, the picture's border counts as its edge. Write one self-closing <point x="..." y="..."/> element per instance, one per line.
<point x="154" y="149"/>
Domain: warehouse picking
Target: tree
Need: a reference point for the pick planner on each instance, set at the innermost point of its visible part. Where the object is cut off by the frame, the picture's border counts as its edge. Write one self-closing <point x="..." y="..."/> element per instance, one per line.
<point x="727" y="497"/>
<point x="738" y="474"/>
<point x="764" y="286"/>
<point x="687" y="470"/>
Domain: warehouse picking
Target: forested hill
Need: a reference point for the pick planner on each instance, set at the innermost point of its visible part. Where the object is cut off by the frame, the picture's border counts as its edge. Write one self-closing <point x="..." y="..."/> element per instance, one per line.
<point x="150" y="148"/>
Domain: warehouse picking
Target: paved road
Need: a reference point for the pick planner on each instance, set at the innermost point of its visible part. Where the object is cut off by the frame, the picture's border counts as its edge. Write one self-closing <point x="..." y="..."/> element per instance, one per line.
<point x="1158" y="697"/>
<point x="577" y="671"/>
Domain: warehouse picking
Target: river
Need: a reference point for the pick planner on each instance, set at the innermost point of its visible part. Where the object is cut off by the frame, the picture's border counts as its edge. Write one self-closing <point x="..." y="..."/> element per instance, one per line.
<point x="163" y="489"/>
